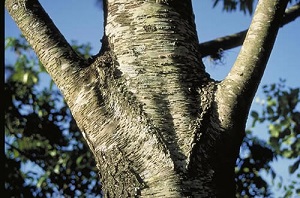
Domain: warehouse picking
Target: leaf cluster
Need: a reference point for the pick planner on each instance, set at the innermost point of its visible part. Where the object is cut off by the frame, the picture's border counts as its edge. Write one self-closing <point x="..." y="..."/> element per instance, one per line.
<point x="255" y="156"/>
<point x="281" y="113"/>
<point x="232" y="5"/>
<point x="46" y="155"/>
<point x="246" y="6"/>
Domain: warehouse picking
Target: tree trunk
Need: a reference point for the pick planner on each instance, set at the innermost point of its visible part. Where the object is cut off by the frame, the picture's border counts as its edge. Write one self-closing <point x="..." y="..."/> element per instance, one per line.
<point x="162" y="135"/>
<point x="158" y="125"/>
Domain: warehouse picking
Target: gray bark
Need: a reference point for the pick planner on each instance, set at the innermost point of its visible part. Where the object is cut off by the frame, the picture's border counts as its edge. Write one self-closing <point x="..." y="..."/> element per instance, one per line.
<point x="157" y="124"/>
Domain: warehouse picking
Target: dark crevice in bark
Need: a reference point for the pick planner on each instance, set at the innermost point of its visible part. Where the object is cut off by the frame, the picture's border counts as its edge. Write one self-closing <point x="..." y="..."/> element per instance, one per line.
<point x="184" y="8"/>
<point x="170" y="140"/>
<point x="136" y="131"/>
<point x="213" y="159"/>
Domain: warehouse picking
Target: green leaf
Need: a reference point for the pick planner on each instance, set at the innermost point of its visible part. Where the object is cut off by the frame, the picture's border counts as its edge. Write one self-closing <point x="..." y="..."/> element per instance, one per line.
<point x="288" y="193"/>
<point x="39" y="127"/>
<point x="25" y="78"/>
<point x="273" y="174"/>
<point x="53" y="153"/>
<point x="287" y="153"/>
<point x="273" y="86"/>
<point x="79" y="159"/>
<point x="41" y="181"/>
<point x="254" y="114"/>
<point x="16" y="153"/>
<point x="41" y="67"/>
<point x="56" y="169"/>
<point x="294" y="167"/>
<point x="274" y="130"/>
<point x="271" y="102"/>
<point x="270" y="111"/>
<point x="10" y="42"/>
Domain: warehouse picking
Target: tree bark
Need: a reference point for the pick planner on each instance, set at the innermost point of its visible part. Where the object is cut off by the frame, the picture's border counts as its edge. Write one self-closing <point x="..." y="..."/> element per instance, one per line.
<point x="158" y="125"/>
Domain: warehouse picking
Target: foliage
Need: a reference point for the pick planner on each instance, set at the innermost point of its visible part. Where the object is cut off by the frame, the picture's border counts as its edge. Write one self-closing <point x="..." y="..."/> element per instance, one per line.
<point x="284" y="118"/>
<point x="40" y="132"/>
<point x="231" y="5"/>
<point x="243" y="5"/>
<point x="46" y="155"/>
<point x="255" y="156"/>
<point x="282" y="115"/>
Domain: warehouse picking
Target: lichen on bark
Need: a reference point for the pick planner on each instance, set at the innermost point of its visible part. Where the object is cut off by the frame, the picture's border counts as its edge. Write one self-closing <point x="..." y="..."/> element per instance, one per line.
<point x="157" y="124"/>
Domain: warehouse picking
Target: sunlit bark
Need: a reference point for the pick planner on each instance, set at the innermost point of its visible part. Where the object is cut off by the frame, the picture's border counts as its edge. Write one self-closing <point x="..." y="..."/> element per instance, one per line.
<point x="157" y="124"/>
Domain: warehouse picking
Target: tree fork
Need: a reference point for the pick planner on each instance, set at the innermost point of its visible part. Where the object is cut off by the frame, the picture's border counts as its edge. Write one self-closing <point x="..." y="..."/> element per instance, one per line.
<point x="157" y="124"/>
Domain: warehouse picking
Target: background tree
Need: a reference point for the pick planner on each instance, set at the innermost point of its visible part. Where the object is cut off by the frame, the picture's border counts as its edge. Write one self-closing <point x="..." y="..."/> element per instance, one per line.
<point x="280" y="112"/>
<point x="22" y="87"/>
<point x="41" y="134"/>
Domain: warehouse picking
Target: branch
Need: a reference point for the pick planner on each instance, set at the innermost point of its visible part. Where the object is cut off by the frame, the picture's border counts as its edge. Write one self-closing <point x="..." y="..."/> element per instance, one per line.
<point x="214" y="47"/>
<point x="236" y="92"/>
<point x="52" y="49"/>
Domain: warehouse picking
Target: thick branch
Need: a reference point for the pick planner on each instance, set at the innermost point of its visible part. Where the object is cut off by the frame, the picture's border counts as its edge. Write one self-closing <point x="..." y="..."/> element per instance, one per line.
<point x="52" y="49"/>
<point x="236" y="92"/>
<point x="213" y="47"/>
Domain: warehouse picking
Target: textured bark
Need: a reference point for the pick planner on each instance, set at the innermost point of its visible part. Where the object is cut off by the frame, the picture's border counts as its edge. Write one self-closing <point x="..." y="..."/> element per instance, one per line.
<point x="157" y="124"/>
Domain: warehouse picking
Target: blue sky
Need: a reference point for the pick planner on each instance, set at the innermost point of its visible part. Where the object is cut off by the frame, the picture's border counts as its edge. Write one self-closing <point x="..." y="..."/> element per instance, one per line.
<point x="82" y="21"/>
